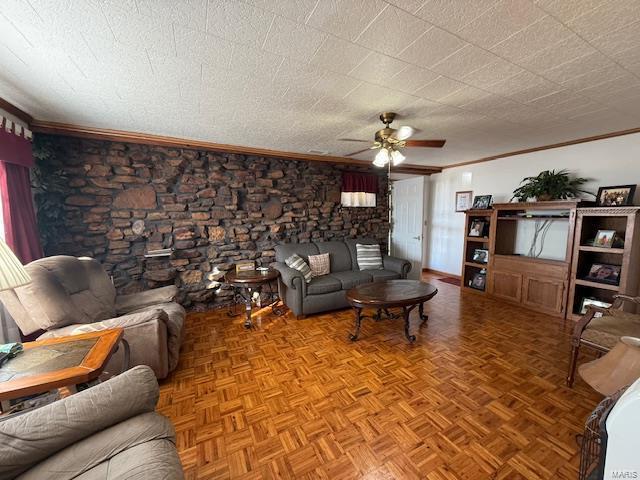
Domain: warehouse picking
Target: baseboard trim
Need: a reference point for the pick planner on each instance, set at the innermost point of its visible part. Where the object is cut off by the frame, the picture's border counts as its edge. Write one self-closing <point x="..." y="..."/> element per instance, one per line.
<point x="438" y="272"/>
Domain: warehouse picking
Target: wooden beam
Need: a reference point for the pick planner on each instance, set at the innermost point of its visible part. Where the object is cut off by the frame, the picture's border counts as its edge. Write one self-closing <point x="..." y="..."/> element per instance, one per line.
<point x="149" y="139"/>
<point x="547" y="147"/>
<point x="15" y="111"/>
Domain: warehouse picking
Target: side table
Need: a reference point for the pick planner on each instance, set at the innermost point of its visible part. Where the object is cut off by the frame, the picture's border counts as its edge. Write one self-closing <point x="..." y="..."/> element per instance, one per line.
<point x="53" y="363"/>
<point x="245" y="283"/>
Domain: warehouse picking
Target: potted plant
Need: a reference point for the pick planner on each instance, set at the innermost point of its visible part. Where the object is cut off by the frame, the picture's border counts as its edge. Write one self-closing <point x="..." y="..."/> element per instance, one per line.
<point x="550" y="185"/>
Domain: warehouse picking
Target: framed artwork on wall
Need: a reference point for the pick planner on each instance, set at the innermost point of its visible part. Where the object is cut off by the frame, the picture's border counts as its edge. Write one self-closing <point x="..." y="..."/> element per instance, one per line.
<point x="463" y="200"/>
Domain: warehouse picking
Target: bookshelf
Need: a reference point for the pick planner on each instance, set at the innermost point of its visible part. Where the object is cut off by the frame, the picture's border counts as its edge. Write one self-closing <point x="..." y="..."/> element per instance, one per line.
<point x="624" y="254"/>
<point x="472" y="266"/>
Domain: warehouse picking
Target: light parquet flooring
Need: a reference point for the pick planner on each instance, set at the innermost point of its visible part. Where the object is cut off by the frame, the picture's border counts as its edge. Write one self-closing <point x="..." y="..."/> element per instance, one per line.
<point x="480" y="395"/>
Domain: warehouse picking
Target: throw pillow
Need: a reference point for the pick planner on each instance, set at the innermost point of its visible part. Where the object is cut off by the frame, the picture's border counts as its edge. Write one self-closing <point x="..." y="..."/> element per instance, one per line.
<point x="369" y="257"/>
<point x="296" y="262"/>
<point x="319" y="264"/>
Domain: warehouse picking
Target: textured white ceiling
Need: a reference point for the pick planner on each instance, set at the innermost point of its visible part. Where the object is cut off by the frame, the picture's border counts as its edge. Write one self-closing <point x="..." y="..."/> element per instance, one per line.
<point x="490" y="76"/>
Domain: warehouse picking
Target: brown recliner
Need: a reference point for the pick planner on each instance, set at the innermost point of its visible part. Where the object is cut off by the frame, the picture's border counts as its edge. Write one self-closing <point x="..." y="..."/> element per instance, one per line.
<point x="70" y="295"/>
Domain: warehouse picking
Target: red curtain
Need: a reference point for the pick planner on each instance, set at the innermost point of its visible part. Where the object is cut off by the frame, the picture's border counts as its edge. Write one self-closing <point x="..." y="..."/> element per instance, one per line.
<point x="18" y="214"/>
<point x="359" y="182"/>
<point x="14" y="148"/>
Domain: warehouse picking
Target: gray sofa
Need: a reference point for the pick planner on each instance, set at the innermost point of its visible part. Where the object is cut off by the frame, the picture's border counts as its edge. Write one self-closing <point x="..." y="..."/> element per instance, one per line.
<point x="327" y="292"/>
<point x="110" y="431"/>
<point x="69" y="295"/>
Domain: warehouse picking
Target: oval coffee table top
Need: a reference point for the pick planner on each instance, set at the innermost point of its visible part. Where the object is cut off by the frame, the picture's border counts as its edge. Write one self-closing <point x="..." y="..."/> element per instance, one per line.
<point x="392" y="293"/>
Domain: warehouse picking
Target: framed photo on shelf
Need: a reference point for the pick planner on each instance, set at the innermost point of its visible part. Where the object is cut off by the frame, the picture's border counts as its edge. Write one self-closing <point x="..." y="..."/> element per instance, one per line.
<point x="604" y="273"/>
<point x="587" y="301"/>
<point x="481" y="202"/>
<point x="481" y="255"/>
<point x="477" y="228"/>
<point x="463" y="201"/>
<point x="617" y="196"/>
<point x="605" y="238"/>
<point x="478" y="281"/>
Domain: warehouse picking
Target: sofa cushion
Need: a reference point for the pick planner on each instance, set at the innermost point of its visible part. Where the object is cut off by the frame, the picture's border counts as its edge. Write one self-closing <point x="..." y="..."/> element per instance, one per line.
<point x="351" y="279"/>
<point x="338" y="254"/>
<point x="285" y="250"/>
<point x="323" y="284"/>
<point x="369" y="257"/>
<point x="319" y="264"/>
<point x="383" y="275"/>
<point x="351" y="245"/>
<point x="297" y="263"/>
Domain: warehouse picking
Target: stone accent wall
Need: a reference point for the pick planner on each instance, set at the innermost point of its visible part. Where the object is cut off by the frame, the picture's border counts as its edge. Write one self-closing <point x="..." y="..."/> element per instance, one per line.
<point x="214" y="209"/>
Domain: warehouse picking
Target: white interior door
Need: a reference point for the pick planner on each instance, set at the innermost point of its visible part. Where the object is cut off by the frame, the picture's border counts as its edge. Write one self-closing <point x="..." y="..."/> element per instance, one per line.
<point x="408" y="206"/>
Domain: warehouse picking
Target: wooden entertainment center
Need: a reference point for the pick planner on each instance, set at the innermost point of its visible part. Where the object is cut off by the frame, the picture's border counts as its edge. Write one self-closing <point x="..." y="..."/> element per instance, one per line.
<point x="548" y="278"/>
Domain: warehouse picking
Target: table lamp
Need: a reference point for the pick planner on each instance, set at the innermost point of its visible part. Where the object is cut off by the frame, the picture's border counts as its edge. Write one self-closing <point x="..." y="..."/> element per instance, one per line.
<point x="12" y="273"/>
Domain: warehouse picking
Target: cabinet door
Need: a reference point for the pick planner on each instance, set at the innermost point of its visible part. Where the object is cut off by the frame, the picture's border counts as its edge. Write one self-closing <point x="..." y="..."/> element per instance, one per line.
<point x="507" y="285"/>
<point x="544" y="293"/>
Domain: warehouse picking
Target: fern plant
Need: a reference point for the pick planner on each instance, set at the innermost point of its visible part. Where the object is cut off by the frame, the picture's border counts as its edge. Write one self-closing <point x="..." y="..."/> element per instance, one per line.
<point x="550" y="185"/>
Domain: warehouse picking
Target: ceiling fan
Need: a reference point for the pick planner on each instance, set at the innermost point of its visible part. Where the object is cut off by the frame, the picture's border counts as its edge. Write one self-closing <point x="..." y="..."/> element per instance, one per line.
<point x="391" y="140"/>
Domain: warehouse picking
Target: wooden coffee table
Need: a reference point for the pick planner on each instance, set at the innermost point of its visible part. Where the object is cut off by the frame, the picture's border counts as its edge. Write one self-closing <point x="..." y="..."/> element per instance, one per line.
<point x="58" y="362"/>
<point x="245" y="283"/>
<point x="381" y="296"/>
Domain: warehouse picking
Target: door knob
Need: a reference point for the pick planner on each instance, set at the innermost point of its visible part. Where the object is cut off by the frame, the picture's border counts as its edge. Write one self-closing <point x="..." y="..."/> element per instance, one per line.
<point x="417" y="238"/>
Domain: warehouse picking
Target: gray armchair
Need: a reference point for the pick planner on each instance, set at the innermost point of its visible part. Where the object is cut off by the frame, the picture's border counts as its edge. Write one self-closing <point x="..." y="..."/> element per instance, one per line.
<point x="328" y="292"/>
<point x="69" y="295"/>
<point x="109" y="431"/>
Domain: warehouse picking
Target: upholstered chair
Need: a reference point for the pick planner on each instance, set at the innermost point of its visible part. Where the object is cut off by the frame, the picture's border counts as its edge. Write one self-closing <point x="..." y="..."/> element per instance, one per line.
<point x="110" y="431"/>
<point x="69" y="295"/>
<point x="601" y="329"/>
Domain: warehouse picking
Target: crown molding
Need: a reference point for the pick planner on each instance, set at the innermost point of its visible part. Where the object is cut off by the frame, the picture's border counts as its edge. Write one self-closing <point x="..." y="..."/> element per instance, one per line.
<point x="53" y="128"/>
<point x="15" y="111"/>
<point x="546" y="147"/>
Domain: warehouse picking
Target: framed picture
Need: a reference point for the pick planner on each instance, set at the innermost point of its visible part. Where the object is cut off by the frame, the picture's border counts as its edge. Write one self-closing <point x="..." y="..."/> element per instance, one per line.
<point x="481" y="202"/>
<point x="477" y="228"/>
<point x="605" y="238"/>
<point x="463" y="201"/>
<point x="478" y="281"/>
<point x="586" y="301"/>
<point x="481" y="255"/>
<point x="615" y="196"/>
<point x="604" y="273"/>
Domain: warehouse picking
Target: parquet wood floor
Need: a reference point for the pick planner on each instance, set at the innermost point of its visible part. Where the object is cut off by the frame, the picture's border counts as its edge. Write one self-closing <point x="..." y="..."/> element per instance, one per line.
<point x="480" y="395"/>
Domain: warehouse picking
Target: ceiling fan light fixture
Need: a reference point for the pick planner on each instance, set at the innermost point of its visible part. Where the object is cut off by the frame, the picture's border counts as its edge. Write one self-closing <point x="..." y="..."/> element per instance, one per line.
<point x="382" y="158"/>
<point x="397" y="158"/>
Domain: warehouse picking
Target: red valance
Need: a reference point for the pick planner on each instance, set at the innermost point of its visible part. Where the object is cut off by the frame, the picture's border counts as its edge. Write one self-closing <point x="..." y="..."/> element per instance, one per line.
<point x="359" y="182"/>
<point x="14" y="148"/>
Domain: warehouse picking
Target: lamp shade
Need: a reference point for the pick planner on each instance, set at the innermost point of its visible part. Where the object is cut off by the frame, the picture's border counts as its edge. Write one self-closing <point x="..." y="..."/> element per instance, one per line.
<point x="12" y="273"/>
<point x="382" y="158"/>
<point x="618" y="368"/>
<point x="397" y="158"/>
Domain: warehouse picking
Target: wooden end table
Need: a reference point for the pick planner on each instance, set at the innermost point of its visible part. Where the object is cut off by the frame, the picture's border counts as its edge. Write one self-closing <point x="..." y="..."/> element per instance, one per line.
<point x="245" y="283"/>
<point x="381" y="296"/>
<point x="53" y="363"/>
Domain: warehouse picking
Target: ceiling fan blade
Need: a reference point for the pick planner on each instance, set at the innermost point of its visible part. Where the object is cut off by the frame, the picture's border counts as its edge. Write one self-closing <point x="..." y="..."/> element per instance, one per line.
<point x="404" y="132"/>
<point x="353" y="140"/>
<point x="425" y="143"/>
<point x="356" y="153"/>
